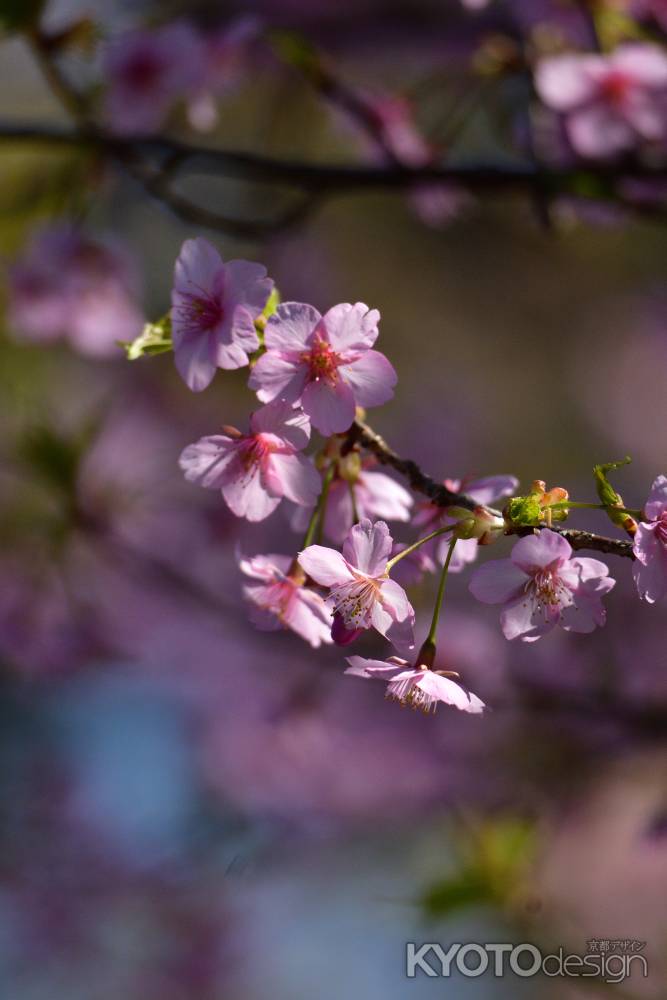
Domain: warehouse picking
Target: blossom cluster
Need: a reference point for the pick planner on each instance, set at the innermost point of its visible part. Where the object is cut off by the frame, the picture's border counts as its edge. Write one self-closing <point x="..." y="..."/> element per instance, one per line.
<point x="316" y="372"/>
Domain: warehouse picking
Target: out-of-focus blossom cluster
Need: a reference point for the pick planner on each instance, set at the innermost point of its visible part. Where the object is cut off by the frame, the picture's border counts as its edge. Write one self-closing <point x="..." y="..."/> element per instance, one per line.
<point x="149" y="71"/>
<point x="67" y="285"/>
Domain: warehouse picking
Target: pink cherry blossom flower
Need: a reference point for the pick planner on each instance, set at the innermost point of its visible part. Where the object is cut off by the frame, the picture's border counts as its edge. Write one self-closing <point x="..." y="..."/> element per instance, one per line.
<point x="650" y="545"/>
<point x="255" y="471"/>
<point x="360" y="591"/>
<point x="610" y="102"/>
<point x="147" y="72"/>
<point x="542" y="586"/>
<point x="324" y="362"/>
<point x="70" y="285"/>
<point x="280" y="600"/>
<point x="429" y="517"/>
<point x="376" y="495"/>
<point x="417" y="686"/>
<point x="214" y="308"/>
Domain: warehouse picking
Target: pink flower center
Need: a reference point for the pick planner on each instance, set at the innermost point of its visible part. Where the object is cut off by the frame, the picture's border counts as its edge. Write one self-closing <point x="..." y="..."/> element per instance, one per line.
<point x="408" y="693"/>
<point x="254" y="450"/>
<point x="322" y="362"/>
<point x="354" y="601"/>
<point x="200" y="313"/>
<point x="276" y="597"/>
<point x="615" y="87"/>
<point x="549" y="590"/>
<point x="143" y="71"/>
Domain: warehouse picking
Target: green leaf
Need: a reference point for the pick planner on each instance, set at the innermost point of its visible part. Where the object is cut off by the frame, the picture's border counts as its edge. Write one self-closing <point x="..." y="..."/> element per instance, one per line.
<point x="495" y="855"/>
<point x="155" y="338"/>
<point x="608" y="495"/>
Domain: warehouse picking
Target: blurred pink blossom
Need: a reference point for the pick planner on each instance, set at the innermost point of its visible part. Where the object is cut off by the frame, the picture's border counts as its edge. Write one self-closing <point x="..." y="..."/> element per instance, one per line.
<point x="610" y="102"/>
<point x="281" y="601"/>
<point x="73" y="286"/>
<point x="147" y="72"/>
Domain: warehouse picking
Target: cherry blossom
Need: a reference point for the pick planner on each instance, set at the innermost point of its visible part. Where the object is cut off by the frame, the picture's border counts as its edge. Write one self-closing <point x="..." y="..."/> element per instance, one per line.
<point x="279" y="599"/>
<point x="214" y="308"/>
<point x="256" y="470"/>
<point x="650" y="545"/>
<point x="542" y="586"/>
<point x="147" y="71"/>
<point x="324" y="362"/>
<point x="360" y="591"/>
<point x="418" y="686"/>
<point x="610" y="102"/>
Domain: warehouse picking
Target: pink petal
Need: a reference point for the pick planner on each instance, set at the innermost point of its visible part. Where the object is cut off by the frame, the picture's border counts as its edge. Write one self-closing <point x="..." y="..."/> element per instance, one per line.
<point x="368" y="547"/>
<point x="351" y="327"/>
<point x="330" y="407"/>
<point x="449" y="692"/>
<point x="497" y="581"/>
<point x="295" y="477"/>
<point x="590" y="569"/>
<point x="599" y="131"/>
<point x="197" y="267"/>
<point x="395" y="600"/>
<point x="485" y="491"/>
<point x="207" y="461"/>
<point x="651" y="577"/>
<point x="538" y="551"/>
<point x="379" y="669"/>
<point x="339" y="516"/>
<point x="522" y="619"/>
<point x="401" y="634"/>
<point x="264" y="567"/>
<point x="325" y="566"/>
<point x="381" y="496"/>
<point x="309" y="617"/>
<point x="647" y="64"/>
<point x="248" y="285"/>
<point x="276" y="377"/>
<point x="282" y="420"/>
<point x="231" y="356"/>
<point x="289" y="328"/>
<point x="247" y="497"/>
<point x="372" y="378"/>
<point x="657" y="499"/>
<point x="192" y="357"/>
<point x="565" y="82"/>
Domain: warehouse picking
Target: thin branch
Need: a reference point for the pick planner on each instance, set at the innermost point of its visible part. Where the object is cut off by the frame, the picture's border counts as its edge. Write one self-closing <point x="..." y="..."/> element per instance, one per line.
<point x="364" y="436"/>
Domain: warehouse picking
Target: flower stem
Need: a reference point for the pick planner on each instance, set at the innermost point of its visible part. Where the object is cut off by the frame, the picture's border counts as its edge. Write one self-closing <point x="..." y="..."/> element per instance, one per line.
<point x="355" y="512"/>
<point x="316" y="523"/>
<point x="430" y="639"/>
<point x="566" y="504"/>
<point x="416" y="545"/>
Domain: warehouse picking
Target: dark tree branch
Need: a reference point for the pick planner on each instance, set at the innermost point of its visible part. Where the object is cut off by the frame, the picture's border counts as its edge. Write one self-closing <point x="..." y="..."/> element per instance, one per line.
<point x="170" y="157"/>
<point x="364" y="436"/>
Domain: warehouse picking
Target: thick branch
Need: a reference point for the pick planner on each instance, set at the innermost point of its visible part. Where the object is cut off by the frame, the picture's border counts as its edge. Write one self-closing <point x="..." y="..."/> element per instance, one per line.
<point x="325" y="180"/>
<point x="364" y="436"/>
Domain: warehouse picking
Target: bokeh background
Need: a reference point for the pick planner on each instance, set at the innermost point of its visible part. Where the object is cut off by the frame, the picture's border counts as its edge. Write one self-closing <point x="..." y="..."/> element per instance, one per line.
<point x="191" y="809"/>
